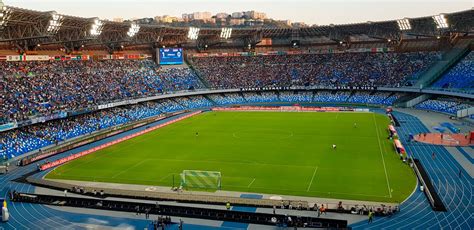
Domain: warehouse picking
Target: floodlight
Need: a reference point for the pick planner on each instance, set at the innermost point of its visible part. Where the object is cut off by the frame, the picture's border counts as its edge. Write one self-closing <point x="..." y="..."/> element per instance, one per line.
<point x="404" y="24"/>
<point x="133" y="30"/>
<point x="193" y="33"/>
<point x="55" y="23"/>
<point x="96" y="28"/>
<point x="226" y="33"/>
<point x="441" y="22"/>
<point x="4" y="15"/>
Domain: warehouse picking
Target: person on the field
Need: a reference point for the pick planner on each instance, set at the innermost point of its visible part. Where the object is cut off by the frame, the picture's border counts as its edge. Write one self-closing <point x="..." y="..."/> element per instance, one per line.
<point x="197" y="134"/>
<point x="355" y="125"/>
<point x="334" y="146"/>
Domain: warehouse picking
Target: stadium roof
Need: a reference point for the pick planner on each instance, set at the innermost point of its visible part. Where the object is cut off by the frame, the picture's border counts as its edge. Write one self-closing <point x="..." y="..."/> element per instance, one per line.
<point x="25" y="28"/>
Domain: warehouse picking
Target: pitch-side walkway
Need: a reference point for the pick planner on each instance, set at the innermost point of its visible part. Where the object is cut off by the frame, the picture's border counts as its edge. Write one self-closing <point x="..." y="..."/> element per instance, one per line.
<point x="161" y="189"/>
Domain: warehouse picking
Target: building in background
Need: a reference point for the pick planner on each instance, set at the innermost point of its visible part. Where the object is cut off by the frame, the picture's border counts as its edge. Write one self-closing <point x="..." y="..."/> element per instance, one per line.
<point x="237" y="15"/>
<point x="167" y="19"/>
<point x="204" y="16"/>
<point x="255" y="15"/>
<point x="117" y="19"/>
<point x="222" y="15"/>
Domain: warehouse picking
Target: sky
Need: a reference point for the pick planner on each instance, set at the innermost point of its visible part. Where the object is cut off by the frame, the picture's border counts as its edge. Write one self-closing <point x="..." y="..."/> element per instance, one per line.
<point x="319" y="12"/>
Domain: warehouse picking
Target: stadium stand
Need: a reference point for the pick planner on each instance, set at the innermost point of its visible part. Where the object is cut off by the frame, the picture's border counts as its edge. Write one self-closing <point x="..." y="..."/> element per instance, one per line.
<point x="296" y="96"/>
<point x="343" y="69"/>
<point x="41" y="88"/>
<point x="460" y="77"/>
<point x="194" y="102"/>
<point x="227" y="99"/>
<point x="444" y="105"/>
<point x="332" y="97"/>
<point x="261" y="97"/>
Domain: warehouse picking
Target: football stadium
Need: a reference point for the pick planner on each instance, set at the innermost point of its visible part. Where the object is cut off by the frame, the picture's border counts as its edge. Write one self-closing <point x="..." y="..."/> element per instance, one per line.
<point x="235" y="120"/>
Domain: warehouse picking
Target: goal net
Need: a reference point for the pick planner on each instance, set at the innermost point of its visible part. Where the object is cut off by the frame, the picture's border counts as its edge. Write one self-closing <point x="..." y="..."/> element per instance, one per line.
<point x="201" y="179"/>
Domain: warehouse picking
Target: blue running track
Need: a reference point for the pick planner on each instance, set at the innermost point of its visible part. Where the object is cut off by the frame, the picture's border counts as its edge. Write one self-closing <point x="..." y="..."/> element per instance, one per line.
<point x="456" y="192"/>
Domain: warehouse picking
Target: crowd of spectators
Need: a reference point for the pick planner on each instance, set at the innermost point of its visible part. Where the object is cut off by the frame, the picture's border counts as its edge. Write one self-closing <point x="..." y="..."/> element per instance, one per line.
<point x="332" y="97"/>
<point x="264" y="97"/>
<point x="375" y="98"/>
<point x="461" y="76"/>
<point x="227" y="99"/>
<point x="378" y="98"/>
<point x="194" y="102"/>
<point x="338" y="69"/>
<point x="296" y="96"/>
<point x="45" y="87"/>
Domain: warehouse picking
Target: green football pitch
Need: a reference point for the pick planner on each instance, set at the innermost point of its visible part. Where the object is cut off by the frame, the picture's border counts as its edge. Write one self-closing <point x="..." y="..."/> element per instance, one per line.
<point x="261" y="152"/>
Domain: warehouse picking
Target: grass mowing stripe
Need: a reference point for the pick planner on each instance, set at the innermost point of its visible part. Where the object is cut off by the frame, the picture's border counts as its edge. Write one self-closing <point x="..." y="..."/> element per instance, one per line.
<point x="383" y="159"/>
<point x="312" y="178"/>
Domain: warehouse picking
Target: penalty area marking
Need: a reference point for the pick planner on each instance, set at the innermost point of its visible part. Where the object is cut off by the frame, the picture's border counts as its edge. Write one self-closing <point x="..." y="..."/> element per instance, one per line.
<point x="383" y="159"/>
<point x="312" y="178"/>
<point x="251" y="183"/>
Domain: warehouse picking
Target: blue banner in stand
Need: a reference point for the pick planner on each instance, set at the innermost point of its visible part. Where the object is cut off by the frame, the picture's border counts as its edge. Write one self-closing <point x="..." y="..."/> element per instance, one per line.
<point x="171" y="56"/>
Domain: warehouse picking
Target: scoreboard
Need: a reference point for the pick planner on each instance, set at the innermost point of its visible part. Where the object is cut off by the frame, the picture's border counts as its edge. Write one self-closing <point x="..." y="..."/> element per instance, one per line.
<point x="171" y="56"/>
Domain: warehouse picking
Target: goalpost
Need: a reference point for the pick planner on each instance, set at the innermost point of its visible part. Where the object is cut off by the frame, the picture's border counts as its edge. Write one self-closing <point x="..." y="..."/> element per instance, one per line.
<point x="201" y="179"/>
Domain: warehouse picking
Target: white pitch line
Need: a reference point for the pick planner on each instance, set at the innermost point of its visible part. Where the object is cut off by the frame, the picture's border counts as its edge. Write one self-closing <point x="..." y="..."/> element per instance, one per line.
<point x="127" y="169"/>
<point x="251" y="183"/>
<point x="312" y="178"/>
<point x="383" y="159"/>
